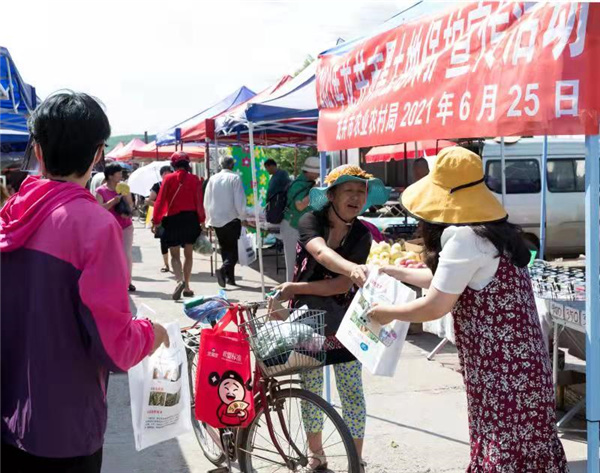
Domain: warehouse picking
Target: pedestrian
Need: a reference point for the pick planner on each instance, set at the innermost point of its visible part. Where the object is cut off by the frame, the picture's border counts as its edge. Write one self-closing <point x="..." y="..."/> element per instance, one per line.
<point x="179" y="210"/>
<point x="67" y="321"/>
<point x="333" y="246"/>
<point x="478" y="271"/>
<point x="154" y="190"/>
<point x="225" y="204"/>
<point x="279" y="178"/>
<point x="420" y="169"/>
<point x="112" y="201"/>
<point x="297" y="205"/>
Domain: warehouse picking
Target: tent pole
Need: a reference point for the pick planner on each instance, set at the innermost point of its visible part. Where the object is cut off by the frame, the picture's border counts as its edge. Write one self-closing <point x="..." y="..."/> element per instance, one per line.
<point x="592" y="301"/>
<point x="416" y="150"/>
<point x="256" y="209"/>
<point x="544" y="197"/>
<point x="323" y="170"/>
<point x="295" y="159"/>
<point x="405" y="178"/>
<point x="503" y="171"/>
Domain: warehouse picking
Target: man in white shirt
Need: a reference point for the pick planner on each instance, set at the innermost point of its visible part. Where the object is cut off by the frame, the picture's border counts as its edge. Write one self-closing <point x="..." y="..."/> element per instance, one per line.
<point x="225" y="206"/>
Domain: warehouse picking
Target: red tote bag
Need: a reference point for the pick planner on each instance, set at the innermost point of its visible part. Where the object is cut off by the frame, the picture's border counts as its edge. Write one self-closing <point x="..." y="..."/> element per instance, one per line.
<point x="223" y="379"/>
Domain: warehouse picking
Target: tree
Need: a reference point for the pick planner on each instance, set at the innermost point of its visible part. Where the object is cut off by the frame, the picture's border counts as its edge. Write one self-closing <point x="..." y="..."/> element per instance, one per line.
<point x="286" y="157"/>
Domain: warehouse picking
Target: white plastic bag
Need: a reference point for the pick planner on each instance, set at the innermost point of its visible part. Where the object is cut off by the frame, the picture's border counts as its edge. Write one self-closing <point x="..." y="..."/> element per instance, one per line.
<point x="377" y="347"/>
<point x="246" y="251"/>
<point x="160" y="393"/>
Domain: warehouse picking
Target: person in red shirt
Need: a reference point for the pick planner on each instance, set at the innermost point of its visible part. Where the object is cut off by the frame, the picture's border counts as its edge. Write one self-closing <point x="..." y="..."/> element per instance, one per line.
<point x="179" y="209"/>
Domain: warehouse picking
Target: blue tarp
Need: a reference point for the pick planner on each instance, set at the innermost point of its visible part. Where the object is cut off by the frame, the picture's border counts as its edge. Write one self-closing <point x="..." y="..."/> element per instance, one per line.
<point x="239" y="96"/>
<point x="17" y="99"/>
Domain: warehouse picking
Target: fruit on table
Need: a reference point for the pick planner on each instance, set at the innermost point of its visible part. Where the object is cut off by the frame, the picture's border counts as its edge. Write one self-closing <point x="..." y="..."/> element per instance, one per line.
<point x="384" y="253"/>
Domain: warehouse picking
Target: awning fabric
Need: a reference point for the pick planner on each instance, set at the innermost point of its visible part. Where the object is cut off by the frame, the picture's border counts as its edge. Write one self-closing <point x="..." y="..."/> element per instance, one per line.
<point x="382" y="154"/>
<point x="126" y="152"/>
<point x="151" y="151"/>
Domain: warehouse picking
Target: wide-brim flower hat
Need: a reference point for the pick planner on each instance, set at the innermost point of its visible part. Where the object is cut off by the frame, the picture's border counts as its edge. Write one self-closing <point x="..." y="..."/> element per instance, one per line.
<point x="377" y="193"/>
<point x="454" y="192"/>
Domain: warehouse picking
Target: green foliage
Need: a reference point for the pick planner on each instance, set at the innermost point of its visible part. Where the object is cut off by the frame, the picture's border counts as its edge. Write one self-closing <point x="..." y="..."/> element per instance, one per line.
<point x="114" y="140"/>
<point x="285" y="157"/>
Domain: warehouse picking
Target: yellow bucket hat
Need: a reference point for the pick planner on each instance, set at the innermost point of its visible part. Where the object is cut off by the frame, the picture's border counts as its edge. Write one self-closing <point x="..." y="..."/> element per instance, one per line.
<point x="454" y="192"/>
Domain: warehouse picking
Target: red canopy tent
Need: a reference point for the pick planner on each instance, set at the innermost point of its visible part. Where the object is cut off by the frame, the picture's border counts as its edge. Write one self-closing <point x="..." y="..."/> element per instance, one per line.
<point x="151" y="151"/>
<point x="380" y="154"/>
<point x="114" y="152"/>
<point x="126" y="152"/>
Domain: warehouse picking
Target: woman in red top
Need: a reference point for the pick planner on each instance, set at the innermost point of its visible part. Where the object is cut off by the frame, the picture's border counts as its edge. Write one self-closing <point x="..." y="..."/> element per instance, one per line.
<point x="179" y="209"/>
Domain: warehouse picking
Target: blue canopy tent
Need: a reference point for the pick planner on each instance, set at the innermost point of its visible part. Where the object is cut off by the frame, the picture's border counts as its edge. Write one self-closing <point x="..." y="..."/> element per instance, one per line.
<point x="17" y="101"/>
<point x="170" y="136"/>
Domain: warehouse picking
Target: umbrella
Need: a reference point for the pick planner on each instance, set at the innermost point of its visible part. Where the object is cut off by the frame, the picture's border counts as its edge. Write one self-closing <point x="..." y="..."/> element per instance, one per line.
<point x="381" y="154"/>
<point x="142" y="179"/>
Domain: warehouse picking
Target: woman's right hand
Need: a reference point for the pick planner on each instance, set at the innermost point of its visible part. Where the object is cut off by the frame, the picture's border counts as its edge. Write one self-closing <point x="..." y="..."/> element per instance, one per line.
<point x="161" y="337"/>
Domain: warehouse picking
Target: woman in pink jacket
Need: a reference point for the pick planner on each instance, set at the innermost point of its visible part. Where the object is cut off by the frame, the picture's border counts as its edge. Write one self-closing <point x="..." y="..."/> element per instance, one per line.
<point x="66" y="320"/>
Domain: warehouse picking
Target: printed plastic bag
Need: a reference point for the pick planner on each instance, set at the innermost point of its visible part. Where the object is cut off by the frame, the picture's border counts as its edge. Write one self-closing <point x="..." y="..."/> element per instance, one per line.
<point x="160" y="393"/>
<point x="377" y="347"/>
<point x="246" y="251"/>
<point x="203" y="246"/>
<point x="224" y="395"/>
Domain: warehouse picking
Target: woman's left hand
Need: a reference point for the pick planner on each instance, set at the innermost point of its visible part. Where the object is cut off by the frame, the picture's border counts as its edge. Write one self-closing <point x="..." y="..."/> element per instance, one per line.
<point x="382" y="314"/>
<point x="359" y="274"/>
<point x="286" y="291"/>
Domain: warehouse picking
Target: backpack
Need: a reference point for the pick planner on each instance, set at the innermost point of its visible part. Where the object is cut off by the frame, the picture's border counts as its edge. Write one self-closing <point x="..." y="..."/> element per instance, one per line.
<point x="277" y="204"/>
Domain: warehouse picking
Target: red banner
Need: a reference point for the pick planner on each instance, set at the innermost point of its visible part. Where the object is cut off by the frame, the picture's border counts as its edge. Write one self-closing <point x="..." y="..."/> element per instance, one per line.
<point x="480" y="69"/>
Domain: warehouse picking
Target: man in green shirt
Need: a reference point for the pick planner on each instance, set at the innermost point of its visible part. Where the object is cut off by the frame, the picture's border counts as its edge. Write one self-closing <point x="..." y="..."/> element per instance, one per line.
<point x="297" y="205"/>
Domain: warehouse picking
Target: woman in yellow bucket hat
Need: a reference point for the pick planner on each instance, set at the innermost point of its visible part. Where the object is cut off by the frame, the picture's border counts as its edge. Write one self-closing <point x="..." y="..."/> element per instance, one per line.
<point x="477" y="270"/>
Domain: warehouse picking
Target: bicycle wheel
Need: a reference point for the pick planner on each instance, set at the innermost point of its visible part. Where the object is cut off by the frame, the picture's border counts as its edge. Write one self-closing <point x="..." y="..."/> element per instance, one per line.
<point x="258" y="454"/>
<point x="212" y="451"/>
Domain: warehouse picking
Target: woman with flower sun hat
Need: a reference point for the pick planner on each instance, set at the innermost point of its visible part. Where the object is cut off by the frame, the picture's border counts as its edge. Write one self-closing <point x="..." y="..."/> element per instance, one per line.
<point x="331" y="250"/>
<point x="478" y="271"/>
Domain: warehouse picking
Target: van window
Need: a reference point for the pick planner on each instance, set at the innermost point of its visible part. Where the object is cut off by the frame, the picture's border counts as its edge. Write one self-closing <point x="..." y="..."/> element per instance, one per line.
<point x="566" y="175"/>
<point x="522" y="176"/>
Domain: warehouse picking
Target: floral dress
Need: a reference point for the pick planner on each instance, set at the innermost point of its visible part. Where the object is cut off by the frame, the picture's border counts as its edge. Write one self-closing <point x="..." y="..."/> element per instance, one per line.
<point x="508" y="378"/>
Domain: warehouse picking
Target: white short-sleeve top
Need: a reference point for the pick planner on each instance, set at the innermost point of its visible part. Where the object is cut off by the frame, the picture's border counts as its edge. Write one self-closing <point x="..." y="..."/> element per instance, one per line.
<point x="466" y="260"/>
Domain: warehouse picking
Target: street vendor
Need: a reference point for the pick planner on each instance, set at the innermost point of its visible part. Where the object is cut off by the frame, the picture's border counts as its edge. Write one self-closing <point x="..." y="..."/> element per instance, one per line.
<point x="333" y="246"/>
<point x="477" y="270"/>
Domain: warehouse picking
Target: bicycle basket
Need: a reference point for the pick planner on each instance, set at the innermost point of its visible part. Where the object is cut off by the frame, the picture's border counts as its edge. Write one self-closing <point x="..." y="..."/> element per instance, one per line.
<point x="286" y="342"/>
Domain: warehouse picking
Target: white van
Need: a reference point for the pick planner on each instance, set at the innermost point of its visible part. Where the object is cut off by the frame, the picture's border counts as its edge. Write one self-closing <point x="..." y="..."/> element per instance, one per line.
<point x="565" y="203"/>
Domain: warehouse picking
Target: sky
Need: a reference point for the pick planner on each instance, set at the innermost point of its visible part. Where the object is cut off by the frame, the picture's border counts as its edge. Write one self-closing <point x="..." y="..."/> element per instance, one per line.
<point x="155" y="63"/>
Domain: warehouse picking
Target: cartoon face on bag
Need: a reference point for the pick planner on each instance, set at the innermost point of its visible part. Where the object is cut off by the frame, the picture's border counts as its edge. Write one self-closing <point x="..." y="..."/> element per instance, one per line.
<point x="232" y="392"/>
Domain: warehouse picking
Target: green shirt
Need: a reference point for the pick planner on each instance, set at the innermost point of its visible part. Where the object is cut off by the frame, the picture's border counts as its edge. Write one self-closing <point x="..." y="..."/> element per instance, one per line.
<point x="297" y="191"/>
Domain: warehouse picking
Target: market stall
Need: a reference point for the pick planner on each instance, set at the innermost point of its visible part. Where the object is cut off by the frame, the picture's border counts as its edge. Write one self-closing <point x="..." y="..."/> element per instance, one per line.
<point x="535" y="75"/>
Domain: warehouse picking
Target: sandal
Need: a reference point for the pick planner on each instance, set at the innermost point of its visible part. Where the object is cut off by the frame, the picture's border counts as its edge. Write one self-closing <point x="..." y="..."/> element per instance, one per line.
<point x="187" y="293"/>
<point x="178" y="290"/>
<point x="165" y="270"/>
<point x="322" y="466"/>
<point x="132" y="288"/>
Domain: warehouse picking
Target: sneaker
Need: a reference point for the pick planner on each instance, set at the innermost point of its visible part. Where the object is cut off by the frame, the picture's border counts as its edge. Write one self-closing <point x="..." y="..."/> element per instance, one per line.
<point x="178" y="290"/>
<point x="220" y="277"/>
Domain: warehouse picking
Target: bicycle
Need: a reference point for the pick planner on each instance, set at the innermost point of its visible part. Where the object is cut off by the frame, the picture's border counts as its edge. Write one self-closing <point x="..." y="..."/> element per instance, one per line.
<point x="276" y="439"/>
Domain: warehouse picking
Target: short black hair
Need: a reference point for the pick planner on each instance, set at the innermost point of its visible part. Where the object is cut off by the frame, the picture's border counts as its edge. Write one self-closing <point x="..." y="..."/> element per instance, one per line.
<point x="69" y="126"/>
<point x="111" y="169"/>
<point x="165" y="169"/>
<point x="270" y="162"/>
<point x="421" y="162"/>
